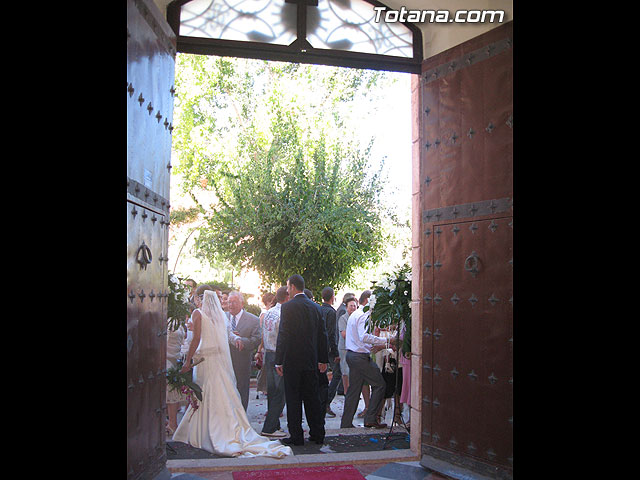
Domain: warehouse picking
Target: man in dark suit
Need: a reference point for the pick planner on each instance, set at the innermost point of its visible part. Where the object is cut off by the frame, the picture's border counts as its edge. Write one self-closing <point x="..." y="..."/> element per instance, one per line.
<point x="323" y="381"/>
<point x="328" y="390"/>
<point x="244" y="337"/>
<point x="301" y="352"/>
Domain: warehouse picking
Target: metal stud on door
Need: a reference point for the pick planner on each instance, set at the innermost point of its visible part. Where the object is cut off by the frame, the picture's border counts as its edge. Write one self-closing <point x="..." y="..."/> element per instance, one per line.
<point x="473" y="337"/>
<point x="150" y="76"/>
<point x="466" y="137"/>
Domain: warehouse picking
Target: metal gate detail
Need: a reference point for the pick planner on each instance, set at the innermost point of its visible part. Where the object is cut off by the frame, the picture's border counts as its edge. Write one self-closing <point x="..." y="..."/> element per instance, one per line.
<point x="466" y="195"/>
<point x="149" y="97"/>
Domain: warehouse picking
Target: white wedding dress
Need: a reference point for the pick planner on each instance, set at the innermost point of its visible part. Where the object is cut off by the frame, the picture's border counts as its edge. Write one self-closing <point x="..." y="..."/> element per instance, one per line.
<point x="220" y="424"/>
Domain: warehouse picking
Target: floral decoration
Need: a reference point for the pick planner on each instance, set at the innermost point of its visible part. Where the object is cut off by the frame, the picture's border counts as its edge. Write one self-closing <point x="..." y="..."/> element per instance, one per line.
<point x="179" y="306"/>
<point x="390" y="303"/>
<point x="183" y="382"/>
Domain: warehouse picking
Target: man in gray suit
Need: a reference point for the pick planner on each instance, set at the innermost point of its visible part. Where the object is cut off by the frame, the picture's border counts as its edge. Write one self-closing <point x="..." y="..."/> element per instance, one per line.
<point x="244" y="337"/>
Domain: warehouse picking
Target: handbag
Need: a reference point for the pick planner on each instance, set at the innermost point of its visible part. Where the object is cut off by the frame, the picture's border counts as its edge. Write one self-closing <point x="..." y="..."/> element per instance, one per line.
<point x="389" y="374"/>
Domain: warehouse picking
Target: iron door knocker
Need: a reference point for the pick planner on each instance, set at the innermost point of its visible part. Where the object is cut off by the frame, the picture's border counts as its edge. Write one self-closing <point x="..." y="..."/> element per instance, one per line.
<point x="471" y="264"/>
<point x="143" y="256"/>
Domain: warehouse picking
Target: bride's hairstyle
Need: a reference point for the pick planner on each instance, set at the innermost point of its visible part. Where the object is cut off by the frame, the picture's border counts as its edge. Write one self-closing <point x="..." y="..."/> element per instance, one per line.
<point x="202" y="288"/>
<point x="268" y="299"/>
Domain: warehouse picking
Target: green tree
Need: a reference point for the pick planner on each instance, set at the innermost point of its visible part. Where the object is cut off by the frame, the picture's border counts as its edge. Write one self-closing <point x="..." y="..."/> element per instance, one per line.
<point x="290" y="188"/>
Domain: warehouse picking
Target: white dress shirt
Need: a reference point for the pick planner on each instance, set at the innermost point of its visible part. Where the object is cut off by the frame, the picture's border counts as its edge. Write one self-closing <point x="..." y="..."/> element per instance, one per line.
<point x="357" y="339"/>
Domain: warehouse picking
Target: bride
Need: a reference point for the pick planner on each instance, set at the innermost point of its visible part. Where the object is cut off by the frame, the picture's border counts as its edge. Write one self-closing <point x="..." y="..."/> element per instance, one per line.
<point x="219" y="425"/>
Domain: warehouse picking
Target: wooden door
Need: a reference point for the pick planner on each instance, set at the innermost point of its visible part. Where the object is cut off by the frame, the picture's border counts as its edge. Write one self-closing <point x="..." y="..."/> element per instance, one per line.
<point x="150" y="73"/>
<point x="466" y="194"/>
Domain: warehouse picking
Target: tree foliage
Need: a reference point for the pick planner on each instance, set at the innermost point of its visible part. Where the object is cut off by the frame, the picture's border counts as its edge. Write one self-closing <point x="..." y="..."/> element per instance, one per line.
<point x="277" y="173"/>
<point x="183" y="215"/>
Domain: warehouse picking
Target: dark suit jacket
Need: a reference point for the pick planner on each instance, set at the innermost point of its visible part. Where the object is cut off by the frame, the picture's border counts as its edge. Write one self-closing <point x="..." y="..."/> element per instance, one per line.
<point x="302" y="337"/>
<point x="330" y="321"/>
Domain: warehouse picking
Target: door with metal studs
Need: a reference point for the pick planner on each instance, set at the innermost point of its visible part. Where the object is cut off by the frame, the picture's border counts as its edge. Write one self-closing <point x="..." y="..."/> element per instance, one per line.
<point x="466" y="194"/>
<point x="151" y="49"/>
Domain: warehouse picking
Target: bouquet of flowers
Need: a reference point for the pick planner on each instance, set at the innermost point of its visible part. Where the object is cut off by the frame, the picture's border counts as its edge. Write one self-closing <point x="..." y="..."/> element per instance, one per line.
<point x="390" y="303"/>
<point x="183" y="382"/>
<point x="178" y="305"/>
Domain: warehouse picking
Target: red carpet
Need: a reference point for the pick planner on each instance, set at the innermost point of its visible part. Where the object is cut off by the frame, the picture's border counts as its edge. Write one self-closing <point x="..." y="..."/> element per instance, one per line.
<point x="338" y="472"/>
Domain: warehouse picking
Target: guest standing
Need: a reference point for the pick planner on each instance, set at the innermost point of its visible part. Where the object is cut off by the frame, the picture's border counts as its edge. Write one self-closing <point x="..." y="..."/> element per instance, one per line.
<point x="244" y="337"/>
<point x="268" y="300"/>
<point x="339" y="312"/>
<point x="362" y="368"/>
<point x="224" y="303"/>
<point x="191" y="285"/>
<point x="275" y="383"/>
<point x="330" y="320"/>
<point x="301" y="352"/>
<point x="323" y="379"/>
<point x="352" y="305"/>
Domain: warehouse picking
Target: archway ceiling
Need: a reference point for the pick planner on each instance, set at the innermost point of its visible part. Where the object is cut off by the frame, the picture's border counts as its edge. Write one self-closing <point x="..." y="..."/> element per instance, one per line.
<point x="437" y="37"/>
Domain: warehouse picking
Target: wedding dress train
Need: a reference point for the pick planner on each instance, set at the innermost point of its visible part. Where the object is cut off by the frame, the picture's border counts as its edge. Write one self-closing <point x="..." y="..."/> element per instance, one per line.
<point x="220" y="425"/>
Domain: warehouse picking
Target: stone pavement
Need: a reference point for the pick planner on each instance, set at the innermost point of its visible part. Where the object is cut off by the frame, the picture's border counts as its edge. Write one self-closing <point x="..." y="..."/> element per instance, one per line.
<point x="258" y="408"/>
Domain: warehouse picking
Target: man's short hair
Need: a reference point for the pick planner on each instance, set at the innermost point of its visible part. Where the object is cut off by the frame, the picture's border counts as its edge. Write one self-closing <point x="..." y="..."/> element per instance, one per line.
<point x="281" y="294"/>
<point x="297" y="281"/>
<point x="202" y="288"/>
<point x="327" y="293"/>
<point x="308" y="293"/>
<point x="365" y="295"/>
<point x="347" y="296"/>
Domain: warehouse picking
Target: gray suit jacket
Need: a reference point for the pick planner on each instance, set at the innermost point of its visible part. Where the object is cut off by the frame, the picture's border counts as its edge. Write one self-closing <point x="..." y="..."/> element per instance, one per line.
<point x="248" y="327"/>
